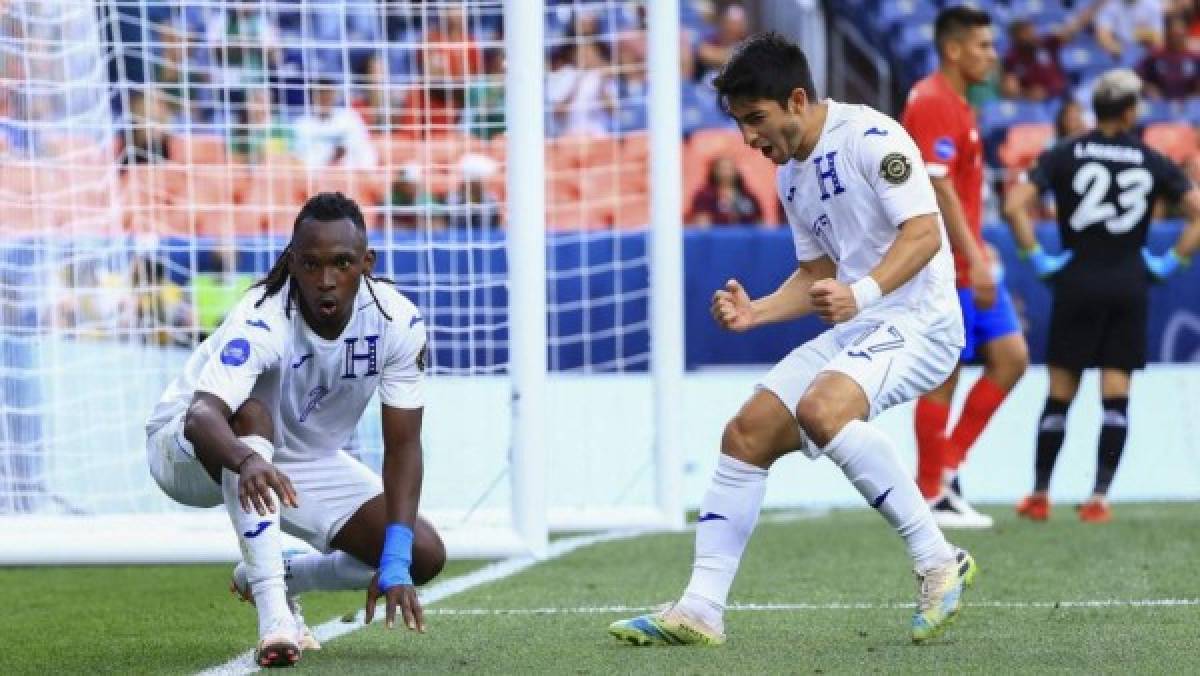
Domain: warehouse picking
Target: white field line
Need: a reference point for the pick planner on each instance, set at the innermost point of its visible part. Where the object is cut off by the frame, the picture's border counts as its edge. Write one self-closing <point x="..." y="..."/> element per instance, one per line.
<point x="244" y="663"/>
<point x="837" y="605"/>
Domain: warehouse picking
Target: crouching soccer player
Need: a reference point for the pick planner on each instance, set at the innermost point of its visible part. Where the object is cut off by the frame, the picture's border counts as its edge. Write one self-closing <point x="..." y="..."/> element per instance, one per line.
<point x="262" y="410"/>
<point x="874" y="263"/>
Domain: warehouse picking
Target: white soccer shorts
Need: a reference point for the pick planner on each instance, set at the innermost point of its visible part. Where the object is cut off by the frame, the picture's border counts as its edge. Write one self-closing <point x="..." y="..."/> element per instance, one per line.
<point x="330" y="488"/>
<point x="892" y="361"/>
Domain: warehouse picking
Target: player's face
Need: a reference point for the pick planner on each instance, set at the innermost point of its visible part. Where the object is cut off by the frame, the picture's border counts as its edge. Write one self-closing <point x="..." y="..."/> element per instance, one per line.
<point x="327" y="262"/>
<point x="770" y="128"/>
<point x="977" y="54"/>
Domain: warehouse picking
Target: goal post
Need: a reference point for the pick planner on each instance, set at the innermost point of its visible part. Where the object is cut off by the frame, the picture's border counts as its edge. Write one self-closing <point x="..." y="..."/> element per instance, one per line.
<point x="160" y="157"/>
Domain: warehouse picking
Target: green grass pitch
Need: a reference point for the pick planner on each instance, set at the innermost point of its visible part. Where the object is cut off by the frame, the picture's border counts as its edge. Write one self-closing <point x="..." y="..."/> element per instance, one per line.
<point x="840" y="584"/>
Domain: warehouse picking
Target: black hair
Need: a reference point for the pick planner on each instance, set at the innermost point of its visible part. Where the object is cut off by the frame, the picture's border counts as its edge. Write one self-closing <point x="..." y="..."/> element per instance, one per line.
<point x="1112" y="108"/>
<point x="323" y="206"/>
<point x="764" y="66"/>
<point x="953" y="22"/>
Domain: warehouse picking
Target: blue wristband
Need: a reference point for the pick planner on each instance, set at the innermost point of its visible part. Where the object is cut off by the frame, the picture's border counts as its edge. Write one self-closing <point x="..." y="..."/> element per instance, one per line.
<point x="397" y="557"/>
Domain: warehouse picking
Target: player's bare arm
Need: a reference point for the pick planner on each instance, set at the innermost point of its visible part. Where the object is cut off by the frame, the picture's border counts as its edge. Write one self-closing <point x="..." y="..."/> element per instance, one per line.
<point x="403" y="471"/>
<point x="1017" y="202"/>
<point x="916" y="244"/>
<point x="983" y="284"/>
<point x="206" y="425"/>
<point x="733" y="309"/>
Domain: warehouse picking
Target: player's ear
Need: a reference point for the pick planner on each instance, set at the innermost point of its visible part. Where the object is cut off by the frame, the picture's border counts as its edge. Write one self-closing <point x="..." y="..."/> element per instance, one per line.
<point x="369" y="261"/>
<point x="797" y="100"/>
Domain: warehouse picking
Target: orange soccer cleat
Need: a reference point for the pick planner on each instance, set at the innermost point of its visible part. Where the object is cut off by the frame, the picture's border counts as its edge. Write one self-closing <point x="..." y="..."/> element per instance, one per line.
<point x="1095" y="510"/>
<point x="1034" y="507"/>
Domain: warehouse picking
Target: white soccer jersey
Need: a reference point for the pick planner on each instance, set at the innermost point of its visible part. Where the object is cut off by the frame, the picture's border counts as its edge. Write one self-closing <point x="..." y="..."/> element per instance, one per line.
<point x="317" y="388"/>
<point x="864" y="178"/>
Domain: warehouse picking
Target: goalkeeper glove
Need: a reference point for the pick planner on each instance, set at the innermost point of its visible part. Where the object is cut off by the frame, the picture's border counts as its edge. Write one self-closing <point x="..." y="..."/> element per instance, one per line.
<point x="1165" y="265"/>
<point x="1047" y="265"/>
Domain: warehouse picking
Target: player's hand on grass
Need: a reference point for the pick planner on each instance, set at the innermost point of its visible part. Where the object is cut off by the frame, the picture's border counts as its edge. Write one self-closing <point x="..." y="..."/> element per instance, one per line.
<point x="259" y="481"/>
<point x="1161" y="267"/>
<point x="983" y="284"/>
<point x="1047" y="265"/>
<point x="731" y="307"/>
<point x="833" y="301"/>
<point x="402" y="596"/>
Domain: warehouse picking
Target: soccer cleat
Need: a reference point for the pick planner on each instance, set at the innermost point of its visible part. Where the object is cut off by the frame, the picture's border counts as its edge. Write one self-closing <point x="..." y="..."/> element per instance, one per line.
<point x="278" y="647"/>
<point x="1095" y="510"/>
<point x="240" y="586"/>
<point x="954" y="512"/>
<point x="665" y="627"/>
<point x="1034" y="507"/>
<point x="939" y="596"/>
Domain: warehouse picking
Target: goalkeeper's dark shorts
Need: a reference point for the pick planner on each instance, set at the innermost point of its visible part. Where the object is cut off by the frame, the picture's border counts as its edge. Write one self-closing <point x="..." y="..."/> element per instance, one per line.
<point x="1087" y="332"/>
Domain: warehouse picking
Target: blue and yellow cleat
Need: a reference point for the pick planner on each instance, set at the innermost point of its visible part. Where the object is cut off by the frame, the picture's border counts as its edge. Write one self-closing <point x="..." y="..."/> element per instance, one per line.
<point x="666" y="627"/>
<point x="939" y="596"/>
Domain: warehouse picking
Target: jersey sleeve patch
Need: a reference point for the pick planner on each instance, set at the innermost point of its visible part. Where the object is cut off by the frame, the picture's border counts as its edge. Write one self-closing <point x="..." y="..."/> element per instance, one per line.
<point x="943" y="148"/>
<point x="895" y="168"/>
<point x="235" y="352"/>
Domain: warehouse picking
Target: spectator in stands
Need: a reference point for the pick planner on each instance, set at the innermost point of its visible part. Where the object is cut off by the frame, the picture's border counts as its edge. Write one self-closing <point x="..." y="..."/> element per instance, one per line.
<point x="1122" y="25"/>
<point x="483" y="115"/>
<point x="258" y="134"/>
<point x="472" y="205"/>
<point x="184" y="86"/>
<point x="409" y="205"/>
<point x="714" y="50"/>
<point x="1172" y="71"/>
<point x="160" y="306"/>
<point x="581" y="91"/>
<point x="724" y="199"/>
<point x="146" y="139"/>
<point x="449" y="50"/>
<point x="249" y="47"/>
<point x="1032" y="66"/>
<point x="330" y="134"/>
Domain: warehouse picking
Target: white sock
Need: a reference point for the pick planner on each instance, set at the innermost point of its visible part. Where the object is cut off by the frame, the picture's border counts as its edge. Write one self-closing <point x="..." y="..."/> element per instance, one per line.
<point x="727" y="517"/>
<point x="335" y="571"/>
<point x="262" y="548"/>
<point x="868" y="459"/>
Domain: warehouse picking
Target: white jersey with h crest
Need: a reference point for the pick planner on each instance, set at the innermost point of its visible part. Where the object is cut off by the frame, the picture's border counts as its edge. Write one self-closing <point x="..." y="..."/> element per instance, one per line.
<point x="846" y="200"/>
<point x="317" y="388"/>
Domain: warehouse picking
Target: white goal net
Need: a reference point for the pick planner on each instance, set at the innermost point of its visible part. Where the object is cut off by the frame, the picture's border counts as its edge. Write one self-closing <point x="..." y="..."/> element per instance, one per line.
<point x="152" y="157"/>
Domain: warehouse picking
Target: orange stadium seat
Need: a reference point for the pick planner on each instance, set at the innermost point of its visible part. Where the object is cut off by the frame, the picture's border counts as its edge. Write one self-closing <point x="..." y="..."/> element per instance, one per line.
<point x="1023" y="144"/>
<point x="196" y="148"/>
<point x="1175" y="140"/>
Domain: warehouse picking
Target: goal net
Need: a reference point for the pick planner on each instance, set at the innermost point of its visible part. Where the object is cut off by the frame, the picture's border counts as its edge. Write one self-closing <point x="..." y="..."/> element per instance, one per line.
<point x="153" y="156"/>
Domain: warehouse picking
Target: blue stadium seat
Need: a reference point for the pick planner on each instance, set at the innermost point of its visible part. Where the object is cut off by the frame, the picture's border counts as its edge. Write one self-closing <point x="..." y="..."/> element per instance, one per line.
<point x="700" y="109"/>
<point x="1083" y="59"/>
<point x="1192" y="110"/>
<point x="1158" y="111"/>
<point x="629" y="116"/>
<point x="894" y="15"/>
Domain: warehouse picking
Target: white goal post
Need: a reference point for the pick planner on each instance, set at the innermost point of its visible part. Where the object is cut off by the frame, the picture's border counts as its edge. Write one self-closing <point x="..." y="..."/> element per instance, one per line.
<point x="555" y="389"/>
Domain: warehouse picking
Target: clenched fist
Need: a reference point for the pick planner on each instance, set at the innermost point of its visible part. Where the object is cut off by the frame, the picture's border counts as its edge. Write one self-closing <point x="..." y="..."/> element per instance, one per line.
<point x="731" y="307"/>
<point x="832" y="301"/>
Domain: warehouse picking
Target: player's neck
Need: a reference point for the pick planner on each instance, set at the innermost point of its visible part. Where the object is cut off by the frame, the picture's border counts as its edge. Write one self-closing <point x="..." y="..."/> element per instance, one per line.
<point x="811" y="134"/>
<point x="1110" y="128"/>
<point x="957" y="82"/>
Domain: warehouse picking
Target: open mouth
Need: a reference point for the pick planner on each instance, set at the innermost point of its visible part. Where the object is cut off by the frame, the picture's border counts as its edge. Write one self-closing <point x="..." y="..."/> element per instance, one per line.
<point x="327" y="308"/>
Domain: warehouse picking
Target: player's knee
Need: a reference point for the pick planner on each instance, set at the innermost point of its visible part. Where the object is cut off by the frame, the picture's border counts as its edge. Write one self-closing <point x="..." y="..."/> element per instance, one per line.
<point x="820" y="418"/>
<point x="742" y="440"/>
<point x="253" y="419"/>
<point x="429" y="555"/>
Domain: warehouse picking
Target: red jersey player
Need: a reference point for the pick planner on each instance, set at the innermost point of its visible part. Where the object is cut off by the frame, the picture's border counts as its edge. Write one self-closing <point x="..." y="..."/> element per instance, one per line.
<point x="942" y="123"/>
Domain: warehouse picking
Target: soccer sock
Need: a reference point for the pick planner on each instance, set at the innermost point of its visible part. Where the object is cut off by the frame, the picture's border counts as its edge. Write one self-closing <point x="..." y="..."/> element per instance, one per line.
<point x="728" y="513"/>
<point x="982" y="401"/>
<point x="1052" y="428"/>
<point x="929" y="422"/>
<point x="262" y="548"/>
<point x="868" y="459"/>
<point x="1112" y="441"/>
<point x="326" y="572"/>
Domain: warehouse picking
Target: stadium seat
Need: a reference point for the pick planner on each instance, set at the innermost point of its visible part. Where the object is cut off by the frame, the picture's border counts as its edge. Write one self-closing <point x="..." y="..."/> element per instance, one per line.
<point x="1177" y="141"/>
<point x="1023" y="143"/>
<point x="196" y="148"/>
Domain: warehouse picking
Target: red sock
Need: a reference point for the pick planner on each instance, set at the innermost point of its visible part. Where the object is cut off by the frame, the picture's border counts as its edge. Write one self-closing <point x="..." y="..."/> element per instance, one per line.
<point x="930" y="425"/>
<point x="983" y="400"/>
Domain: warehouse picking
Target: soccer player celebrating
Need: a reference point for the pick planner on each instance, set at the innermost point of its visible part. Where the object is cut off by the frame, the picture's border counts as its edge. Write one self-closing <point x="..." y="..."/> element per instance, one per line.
<point x="873" y="262"/>
<point x="1105" y="184"/>
<point x="942" y="124"/>
<point x="263" y="408"/>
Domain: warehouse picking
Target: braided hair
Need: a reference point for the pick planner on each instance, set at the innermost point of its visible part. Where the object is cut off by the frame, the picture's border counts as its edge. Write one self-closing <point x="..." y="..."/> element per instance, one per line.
<point x="324" y="206"/>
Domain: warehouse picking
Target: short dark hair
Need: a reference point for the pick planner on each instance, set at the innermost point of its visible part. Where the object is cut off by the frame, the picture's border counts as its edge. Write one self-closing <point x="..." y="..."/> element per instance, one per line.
<point x="953" y="22"/>
<point x="764" y="66"/>
<point x="1115" y="92"/>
